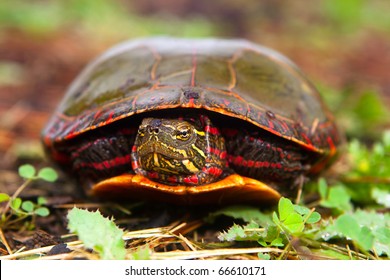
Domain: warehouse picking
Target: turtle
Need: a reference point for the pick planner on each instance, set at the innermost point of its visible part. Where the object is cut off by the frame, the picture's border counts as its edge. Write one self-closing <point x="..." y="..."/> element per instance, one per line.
<point x="193" y="121"/>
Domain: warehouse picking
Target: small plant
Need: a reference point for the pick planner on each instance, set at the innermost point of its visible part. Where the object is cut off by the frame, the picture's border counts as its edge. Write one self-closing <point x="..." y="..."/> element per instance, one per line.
<point x="16" y="209"/>
<point x="290" y="220"/>
<point x="335" y="197"/>
<point x="367" y="230"/>
<point x="98" y="233"/>
<point x="368" y="180"/>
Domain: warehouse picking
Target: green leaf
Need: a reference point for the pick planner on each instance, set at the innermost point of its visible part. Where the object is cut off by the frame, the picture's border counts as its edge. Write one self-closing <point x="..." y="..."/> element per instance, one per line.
<point x="379" y="225"/>
<point x="332" y="254"/>
<point x="244" y="212"/>
<point x="372" y="229"/>
<point x="278" y="242"/>
<point x="365" y="238"/>
<point x="305" y="212"/>
<point x="323" y="188"/>
<point x="16" y="203"/>
<point x="337" y="198"/>
<point x="141" y="253"/>
<point x="264" y="256"/>
<point x="372" y="219"/>
<point x="98" y="233"/>
<point x="285" y="208"/>
<point x="313" y="218"/>
<point x="28" y="206"/>
<point x="289" y="218"/>
<point x="42" y="211"/>
<point x="381" y="197"/>
<point x="240" y="233"/>
<point x="27" y="171"/>
<point x="294" y="223"/>
<point x="48" y="174"/>
<point x="382" y="242"/>
<point x="236" y="232"/>
<point x="301" y="209"/>
<point x="272" y="237"/>
<point x="41" y="200"/>
<point x="275" y="218"/>
<point x="347" y="225"/>
<point x="4" y="197"/>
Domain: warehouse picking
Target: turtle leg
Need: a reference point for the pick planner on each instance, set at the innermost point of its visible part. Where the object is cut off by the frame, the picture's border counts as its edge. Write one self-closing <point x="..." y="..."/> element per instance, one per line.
<point x="266" y="157"/>
<point x="103" y="156"/>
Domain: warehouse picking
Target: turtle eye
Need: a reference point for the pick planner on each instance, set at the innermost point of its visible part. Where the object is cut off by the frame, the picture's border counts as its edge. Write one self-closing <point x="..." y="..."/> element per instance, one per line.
<point x="183" y="133"/>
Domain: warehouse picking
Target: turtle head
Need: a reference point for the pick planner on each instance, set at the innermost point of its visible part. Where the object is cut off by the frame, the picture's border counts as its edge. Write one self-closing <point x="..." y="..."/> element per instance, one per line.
<point x="177" y="150"/>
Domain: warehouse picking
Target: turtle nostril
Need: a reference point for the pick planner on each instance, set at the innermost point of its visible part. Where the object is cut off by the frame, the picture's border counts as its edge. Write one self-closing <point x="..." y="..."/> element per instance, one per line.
<point x="154" y="130"/>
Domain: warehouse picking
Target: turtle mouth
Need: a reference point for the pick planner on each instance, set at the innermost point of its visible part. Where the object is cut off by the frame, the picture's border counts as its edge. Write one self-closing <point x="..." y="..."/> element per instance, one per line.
<point x="147" y="149"/>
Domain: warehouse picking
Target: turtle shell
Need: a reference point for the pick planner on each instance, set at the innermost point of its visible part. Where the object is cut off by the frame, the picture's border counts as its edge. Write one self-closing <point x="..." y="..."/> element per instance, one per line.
<point x="233" y="78"/>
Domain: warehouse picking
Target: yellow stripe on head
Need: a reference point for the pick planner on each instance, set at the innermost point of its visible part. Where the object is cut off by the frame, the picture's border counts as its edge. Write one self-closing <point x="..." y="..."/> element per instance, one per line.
<point x="201" y="133"/>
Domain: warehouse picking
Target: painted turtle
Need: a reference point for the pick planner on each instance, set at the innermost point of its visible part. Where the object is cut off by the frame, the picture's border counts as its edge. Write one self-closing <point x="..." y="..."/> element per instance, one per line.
<point x="193" y="121"/>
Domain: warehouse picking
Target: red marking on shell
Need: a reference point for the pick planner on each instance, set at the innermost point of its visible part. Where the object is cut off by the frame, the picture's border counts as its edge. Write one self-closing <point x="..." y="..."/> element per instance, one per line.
<point x="97" y="114"/>
<point x="193" y="69"/>
<point x="109" y="119"/>
<point x="332" y="147"/>
<point x="285" y="126"/>
<point x="72" y="130"/>
<point x="307" y="139"/>
<point x="271" y="125"/>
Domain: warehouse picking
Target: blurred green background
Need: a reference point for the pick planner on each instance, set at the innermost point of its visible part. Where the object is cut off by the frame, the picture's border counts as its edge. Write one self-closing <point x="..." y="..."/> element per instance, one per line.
<point x="343" y="46"/>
